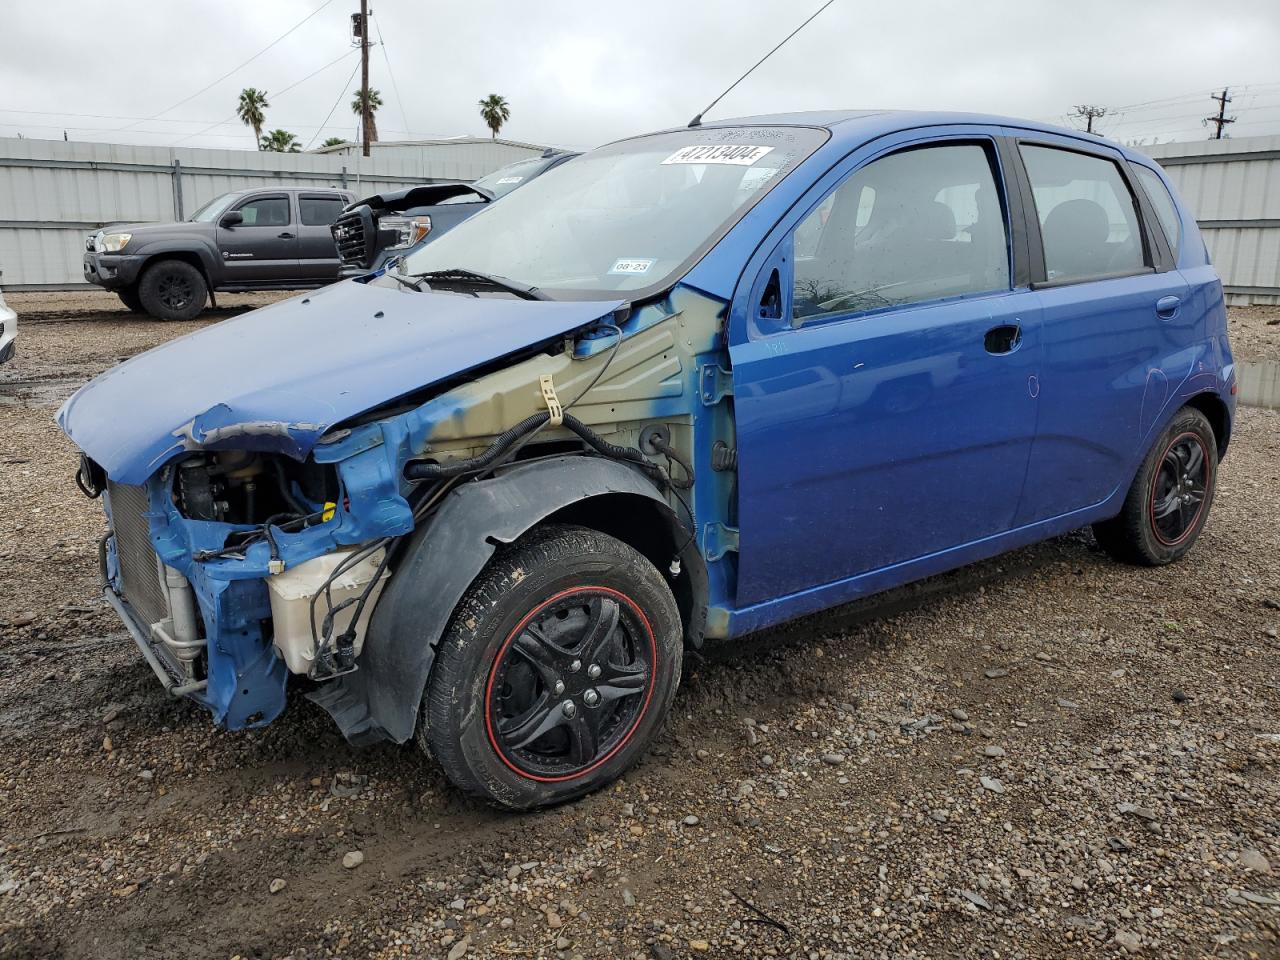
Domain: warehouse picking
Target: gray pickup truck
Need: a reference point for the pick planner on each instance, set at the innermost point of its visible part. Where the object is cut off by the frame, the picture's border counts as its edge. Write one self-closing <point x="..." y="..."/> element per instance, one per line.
<point x="256" y="239"/>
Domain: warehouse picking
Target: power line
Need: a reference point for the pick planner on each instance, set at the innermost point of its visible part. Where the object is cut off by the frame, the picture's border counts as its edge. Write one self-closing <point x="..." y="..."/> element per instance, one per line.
<point x="284" y="91"/>
<point x="341" y="96"/>
<point x="391" y="73"/>
<point x="240" y="67"/>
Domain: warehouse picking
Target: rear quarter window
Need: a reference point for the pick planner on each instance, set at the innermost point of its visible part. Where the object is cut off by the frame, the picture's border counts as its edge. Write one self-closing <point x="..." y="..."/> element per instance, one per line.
<point x="1162" y="200"/>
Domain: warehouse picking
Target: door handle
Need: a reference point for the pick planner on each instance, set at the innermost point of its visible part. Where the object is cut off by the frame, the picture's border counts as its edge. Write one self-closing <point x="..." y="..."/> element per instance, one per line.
<point x="284" y="236"/>
<point x="1167" y="307"/>
<point x="1005" y="338"/>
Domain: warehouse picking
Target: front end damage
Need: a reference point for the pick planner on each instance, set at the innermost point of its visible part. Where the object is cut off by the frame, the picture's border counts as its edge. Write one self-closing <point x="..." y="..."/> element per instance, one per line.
<point x="260" y="549"/>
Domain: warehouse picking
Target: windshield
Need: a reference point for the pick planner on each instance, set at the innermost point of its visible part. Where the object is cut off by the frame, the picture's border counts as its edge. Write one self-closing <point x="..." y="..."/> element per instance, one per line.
<point x="624" y="218"/>
<point x="213" y="209"/>
<point x="505" y="179"/>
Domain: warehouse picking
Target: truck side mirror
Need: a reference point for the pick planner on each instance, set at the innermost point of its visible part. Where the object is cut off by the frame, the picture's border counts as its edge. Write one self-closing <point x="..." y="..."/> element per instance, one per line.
<point x="234" y="218"/>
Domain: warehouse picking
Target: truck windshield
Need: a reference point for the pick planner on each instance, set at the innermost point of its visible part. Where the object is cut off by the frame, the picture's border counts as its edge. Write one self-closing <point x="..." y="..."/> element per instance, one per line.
<point x="213" y="209"/>
<point x="625" y="218"/>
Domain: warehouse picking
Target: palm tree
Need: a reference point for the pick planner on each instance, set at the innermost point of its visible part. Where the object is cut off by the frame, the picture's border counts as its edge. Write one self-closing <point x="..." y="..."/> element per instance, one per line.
<point x="333" y="142"/>
<point x="494" y="111"/>
<point x="375" y="101"/>
<point x="252" y="110"/>
<point x="280" y="141"/>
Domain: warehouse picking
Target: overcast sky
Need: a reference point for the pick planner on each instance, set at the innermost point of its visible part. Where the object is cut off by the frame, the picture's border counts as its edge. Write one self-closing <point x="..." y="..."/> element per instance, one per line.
<point x="582" y="72"/>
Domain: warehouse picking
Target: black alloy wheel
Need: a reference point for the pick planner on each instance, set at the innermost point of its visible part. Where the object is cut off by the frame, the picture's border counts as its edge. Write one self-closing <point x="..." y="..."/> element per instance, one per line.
<point x="173" y="290"/>
<point x="1168" y="502"/>
<point x="570" y="684"/>
<point x="1179" y="487"/>
<point x="556" y="671"/>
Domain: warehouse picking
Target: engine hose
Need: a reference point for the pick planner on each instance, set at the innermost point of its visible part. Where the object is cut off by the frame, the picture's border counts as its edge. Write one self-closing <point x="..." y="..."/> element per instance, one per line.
<point x="419" y="470"/>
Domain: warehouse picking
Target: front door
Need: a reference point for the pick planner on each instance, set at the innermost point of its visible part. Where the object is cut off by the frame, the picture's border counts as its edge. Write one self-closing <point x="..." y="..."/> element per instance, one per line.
<point x="885" y="399"/>
<point x="263" y="247"/>
<point x="1112" y="308"/>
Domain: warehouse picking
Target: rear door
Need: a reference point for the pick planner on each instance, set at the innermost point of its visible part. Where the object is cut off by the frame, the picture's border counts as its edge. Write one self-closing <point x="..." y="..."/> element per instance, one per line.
<point x="263" y="247"/>
<point x="317" y="255"/>
<point x="1109" y="298"/>
<point x="884" y="392"/>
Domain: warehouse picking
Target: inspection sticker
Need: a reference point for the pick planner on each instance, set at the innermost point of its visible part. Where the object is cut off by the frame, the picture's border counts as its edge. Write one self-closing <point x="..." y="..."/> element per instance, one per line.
<point x="632" y="265"/>
<point x="738" y="154"/>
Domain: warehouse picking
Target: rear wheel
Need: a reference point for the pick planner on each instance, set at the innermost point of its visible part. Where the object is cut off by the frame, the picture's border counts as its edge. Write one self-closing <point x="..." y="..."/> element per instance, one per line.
<point x="173" y="290"/>
<point x="129" y="297"/>
<point x="1169" y="501"/>
<point x="556" y="672"/>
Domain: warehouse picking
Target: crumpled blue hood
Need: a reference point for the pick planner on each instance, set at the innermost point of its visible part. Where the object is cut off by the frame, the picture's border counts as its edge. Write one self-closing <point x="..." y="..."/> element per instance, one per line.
<point x="277" y="378"/>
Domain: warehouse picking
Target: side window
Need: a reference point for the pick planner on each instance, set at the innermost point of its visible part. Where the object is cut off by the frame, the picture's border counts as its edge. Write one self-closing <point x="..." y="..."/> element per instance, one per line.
<point x="917" y="225"/>
<point x="1088" y="218"/>
<point x="265" y="212"/>
<point x="319" y="211"/>
<point x="1160" y="198"/>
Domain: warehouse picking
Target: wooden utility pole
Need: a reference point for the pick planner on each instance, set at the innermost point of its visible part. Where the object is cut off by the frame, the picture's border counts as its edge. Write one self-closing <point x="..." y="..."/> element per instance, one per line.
<point x="364" y="74"/>
<point x="1221" y="120"/>
<point x="1090" y="113"/>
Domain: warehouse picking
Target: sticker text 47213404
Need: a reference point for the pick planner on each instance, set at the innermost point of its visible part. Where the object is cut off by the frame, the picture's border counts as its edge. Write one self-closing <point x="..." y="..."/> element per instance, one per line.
<point x="737" y="154"/>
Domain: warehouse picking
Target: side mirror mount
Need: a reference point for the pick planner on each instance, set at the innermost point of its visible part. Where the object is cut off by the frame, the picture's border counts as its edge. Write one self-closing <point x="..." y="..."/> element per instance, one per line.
<point x="232" y="219"/>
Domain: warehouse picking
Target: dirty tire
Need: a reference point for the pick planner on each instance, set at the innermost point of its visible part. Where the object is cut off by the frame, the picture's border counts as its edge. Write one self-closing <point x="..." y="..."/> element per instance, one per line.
<point x="563" y="606"/>
<point x="129" y="297"/>
<point x="172" y="290"/>
<point x="1170" y="498"/>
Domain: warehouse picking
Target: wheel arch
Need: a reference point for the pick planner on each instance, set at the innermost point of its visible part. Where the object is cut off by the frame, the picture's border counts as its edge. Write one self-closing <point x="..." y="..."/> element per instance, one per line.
<point x="196" y="258"/>
<point x="441" y="559"/>
<point x="1218" y="415"/>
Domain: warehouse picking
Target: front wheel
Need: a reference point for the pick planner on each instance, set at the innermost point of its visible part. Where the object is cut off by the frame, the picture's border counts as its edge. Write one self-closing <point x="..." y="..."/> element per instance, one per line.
<point x="556" y="671"/>
<point x="173" y="290"/>
<point x="1169" y="501"/>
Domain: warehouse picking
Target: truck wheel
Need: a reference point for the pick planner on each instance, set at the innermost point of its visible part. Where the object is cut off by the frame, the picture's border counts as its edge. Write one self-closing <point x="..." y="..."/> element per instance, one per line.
<point x="129" y="297"/>
<point x="1169" y="502"/>
<point x="172" y="290"/>
<point x="556" y="671"/>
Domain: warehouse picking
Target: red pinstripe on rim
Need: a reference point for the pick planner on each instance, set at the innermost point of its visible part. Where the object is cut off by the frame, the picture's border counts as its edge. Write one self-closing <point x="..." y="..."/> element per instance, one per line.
<point x="502" y="652"/>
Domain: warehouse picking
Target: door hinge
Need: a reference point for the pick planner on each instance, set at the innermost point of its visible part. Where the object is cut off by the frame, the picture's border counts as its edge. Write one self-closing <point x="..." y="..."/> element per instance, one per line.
<point x="717" y="540"/>
<point x="716" y="384"/>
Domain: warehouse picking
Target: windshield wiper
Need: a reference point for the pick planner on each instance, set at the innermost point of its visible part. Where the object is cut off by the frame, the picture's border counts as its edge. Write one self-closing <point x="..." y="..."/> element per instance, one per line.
<point x="407" y="281"/>
<point x="470" y="278"/>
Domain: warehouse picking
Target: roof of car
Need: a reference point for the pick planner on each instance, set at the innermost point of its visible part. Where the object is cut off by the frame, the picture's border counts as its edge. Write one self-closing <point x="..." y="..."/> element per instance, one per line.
<point x="857" y="126"/>
<point x="258" y="189"/>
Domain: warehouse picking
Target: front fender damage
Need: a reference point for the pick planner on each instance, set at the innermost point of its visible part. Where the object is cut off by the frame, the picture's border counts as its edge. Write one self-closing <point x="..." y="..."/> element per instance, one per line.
<point x="380" y="701"/>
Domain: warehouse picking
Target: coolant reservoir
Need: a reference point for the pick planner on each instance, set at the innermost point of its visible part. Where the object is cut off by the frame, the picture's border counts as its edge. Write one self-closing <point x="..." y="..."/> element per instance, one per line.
<point x="291" y="594"/>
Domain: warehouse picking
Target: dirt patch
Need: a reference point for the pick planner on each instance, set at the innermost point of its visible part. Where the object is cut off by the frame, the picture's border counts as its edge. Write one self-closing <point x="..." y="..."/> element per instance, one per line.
<point x="1048" y="754"/>
<point x="1254" y="332"/>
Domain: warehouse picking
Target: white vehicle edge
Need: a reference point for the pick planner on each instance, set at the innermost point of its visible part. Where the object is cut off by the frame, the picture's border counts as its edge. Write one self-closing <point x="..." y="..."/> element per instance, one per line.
<point x="8" y="330"/>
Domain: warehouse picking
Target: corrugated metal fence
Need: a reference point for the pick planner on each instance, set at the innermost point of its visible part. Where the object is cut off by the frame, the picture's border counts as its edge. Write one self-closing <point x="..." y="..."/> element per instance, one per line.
<point x="52" y="193"/>
<point x="1233" y="188"/>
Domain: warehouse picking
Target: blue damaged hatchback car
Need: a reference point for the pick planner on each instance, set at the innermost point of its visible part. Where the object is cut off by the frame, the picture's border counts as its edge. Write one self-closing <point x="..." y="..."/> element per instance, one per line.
<point x="690" y="385"/>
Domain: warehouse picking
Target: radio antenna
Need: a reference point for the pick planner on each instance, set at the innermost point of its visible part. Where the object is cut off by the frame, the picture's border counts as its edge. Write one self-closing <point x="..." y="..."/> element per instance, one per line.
<point x="697" y="121"/>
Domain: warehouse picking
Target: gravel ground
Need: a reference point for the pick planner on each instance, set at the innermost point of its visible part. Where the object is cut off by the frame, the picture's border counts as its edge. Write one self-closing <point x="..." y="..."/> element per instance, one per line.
<point x="1254" y="332"/>
<point x="1045" y="755"/>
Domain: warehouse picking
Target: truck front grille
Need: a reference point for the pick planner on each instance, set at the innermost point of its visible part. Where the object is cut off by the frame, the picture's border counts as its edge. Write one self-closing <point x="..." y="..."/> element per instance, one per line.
<point x="349" y="237"/>
<point x="139" y="566"/>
